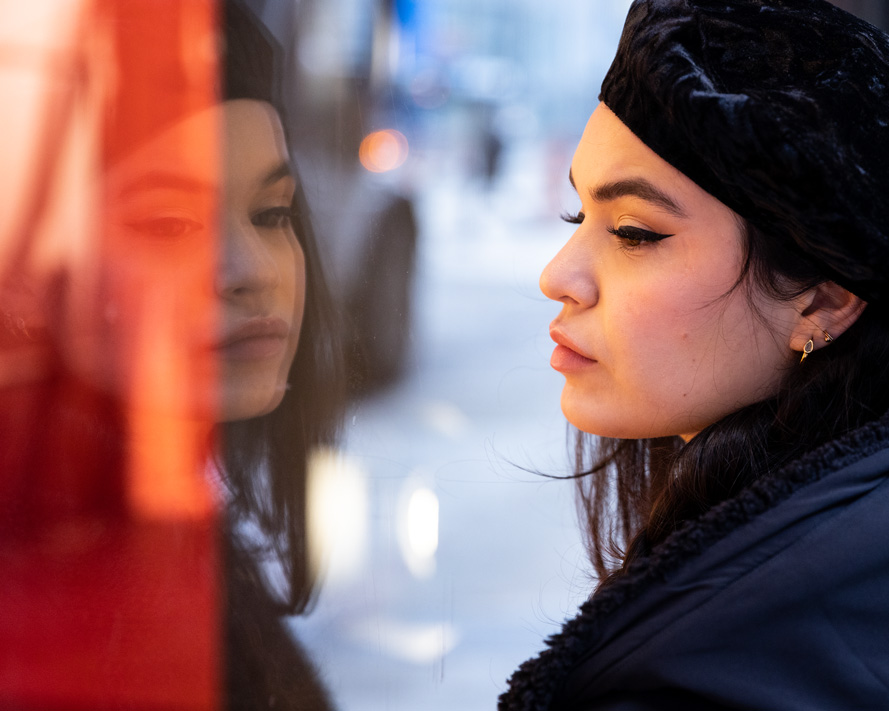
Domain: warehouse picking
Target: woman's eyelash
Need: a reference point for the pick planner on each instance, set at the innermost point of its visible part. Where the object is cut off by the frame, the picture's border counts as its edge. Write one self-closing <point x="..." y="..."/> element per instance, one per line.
<point x="165" y="226"/>
<point x="634" y="236"/>
<point x="275" y="217"/>
<point x="573" y="218"/>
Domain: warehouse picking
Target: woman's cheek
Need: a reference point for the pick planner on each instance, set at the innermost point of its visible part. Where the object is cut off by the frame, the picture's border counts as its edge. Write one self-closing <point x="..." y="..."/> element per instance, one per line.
<point x="660" y="341"/>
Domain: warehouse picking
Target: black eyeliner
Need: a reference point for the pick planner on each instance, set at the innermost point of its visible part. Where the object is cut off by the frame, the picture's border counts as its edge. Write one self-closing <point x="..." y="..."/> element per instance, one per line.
<point x="637" y="234"/>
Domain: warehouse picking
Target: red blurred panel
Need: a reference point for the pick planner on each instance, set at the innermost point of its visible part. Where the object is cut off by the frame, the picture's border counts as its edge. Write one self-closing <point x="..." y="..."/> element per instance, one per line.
<point x="109" y="587"/>
<point x="111" y="616"/>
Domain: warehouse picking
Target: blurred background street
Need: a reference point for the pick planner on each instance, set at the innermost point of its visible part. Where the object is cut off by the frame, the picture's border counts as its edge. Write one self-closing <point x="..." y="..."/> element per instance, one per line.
<point x="477" y="404"/>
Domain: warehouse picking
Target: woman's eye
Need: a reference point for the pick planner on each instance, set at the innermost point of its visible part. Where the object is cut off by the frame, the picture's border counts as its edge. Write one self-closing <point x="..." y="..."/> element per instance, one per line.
<point x="574" y="219"/>
<point x="274" y="218"/>
<point x="633" y="237"/>
<point x="165" y="227"/>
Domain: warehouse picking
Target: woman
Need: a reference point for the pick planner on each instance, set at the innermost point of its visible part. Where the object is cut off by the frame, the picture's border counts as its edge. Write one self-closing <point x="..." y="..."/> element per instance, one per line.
<point x="290" y="406"/>
<point x="723" y="331"/>
<point x="168" y="349"/>
<point x="277" y="395"/>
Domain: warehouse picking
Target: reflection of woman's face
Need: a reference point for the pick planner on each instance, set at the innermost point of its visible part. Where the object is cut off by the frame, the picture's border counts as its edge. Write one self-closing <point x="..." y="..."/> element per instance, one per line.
<point x="191" y="318"/>
<point x="261" y="278"/>
<point x="653" y="339"/>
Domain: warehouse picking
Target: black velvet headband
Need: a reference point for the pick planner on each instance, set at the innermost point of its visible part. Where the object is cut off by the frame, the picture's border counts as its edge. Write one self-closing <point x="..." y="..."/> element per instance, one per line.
<point x="778" y="108"/>
<point x="250" y="56"/>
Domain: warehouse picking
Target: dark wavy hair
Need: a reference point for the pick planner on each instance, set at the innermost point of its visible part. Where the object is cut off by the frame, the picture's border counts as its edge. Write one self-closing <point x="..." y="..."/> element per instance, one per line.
<point x="265" y="463"/>
<point x="265" y="459"/>
<point x="634" y="493"/>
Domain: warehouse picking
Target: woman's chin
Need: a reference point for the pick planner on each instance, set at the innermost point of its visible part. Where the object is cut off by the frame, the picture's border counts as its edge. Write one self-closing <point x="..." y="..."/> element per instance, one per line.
<point x="240" y="403"/>
<point x="595" y="421"/>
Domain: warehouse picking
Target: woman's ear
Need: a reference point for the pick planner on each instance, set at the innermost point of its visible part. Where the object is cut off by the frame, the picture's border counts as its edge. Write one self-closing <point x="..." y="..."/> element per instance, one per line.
<point x="826" y="311"/>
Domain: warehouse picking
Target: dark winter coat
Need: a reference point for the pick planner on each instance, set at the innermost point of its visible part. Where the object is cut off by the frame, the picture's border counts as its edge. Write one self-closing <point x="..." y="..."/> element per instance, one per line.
<point x="265" y="665"/>
<point x="776" y="599"/>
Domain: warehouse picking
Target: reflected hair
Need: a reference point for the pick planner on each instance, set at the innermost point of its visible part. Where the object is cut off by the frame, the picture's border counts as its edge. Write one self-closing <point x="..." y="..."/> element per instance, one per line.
<point x="265" y="459"/>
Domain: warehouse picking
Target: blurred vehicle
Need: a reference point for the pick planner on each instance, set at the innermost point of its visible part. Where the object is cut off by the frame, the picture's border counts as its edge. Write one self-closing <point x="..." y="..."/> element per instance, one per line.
<point x="367" y="232"/>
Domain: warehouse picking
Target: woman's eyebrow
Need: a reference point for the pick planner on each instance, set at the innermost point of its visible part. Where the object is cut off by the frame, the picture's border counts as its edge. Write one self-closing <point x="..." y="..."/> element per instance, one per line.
<point x="164" y="180"/>
<point x="634" y="187"/>
<point x="282" y="170"/>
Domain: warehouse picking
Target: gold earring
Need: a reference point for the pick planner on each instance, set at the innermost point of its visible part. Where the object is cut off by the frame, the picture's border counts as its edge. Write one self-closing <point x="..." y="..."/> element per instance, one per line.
<point x="827" y="337"/>
<point x="807" y="349"/>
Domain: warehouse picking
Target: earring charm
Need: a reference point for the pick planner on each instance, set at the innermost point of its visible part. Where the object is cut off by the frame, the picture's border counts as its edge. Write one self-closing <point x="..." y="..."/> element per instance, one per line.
<point x="827" y="337"/>
<point x="807" y="349"/>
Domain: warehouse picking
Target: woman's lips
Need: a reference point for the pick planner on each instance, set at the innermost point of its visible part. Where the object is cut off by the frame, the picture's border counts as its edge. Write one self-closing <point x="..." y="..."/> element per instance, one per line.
<point x="254" y="339"/>
<point x="566" y="358"/>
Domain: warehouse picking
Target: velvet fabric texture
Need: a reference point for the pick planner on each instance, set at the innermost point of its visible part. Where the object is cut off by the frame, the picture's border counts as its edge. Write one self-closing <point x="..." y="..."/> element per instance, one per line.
<point x="778" y="108"/>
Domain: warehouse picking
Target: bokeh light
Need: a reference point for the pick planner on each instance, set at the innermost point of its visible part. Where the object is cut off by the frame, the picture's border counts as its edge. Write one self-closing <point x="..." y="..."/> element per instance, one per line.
<point x="382" y="151"/>
<point x="418" y="528"/>
<point x="337" y="514"/>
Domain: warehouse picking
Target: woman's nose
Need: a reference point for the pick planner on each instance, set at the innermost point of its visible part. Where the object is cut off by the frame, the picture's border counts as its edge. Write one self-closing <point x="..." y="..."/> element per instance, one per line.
<point x="246" y="264"/>
<point x="570" y="276"/>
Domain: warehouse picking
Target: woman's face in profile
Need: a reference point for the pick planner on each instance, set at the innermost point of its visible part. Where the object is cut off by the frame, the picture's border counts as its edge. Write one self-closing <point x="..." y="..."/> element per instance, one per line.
<point x="195" y="301"/>
<point x="653" y="340"/>
<point x="260" y="281"/>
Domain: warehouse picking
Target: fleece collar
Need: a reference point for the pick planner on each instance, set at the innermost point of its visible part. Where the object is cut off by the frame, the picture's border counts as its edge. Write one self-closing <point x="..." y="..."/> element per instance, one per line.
<point x="536" y="684"/>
